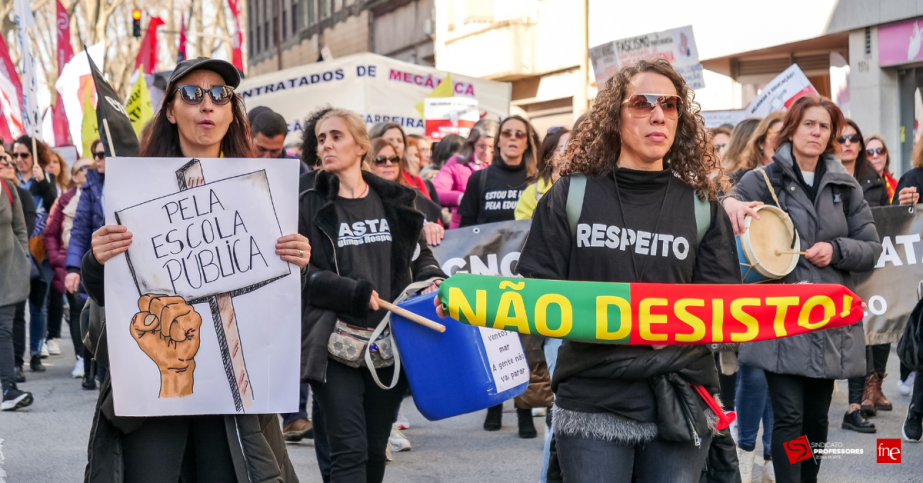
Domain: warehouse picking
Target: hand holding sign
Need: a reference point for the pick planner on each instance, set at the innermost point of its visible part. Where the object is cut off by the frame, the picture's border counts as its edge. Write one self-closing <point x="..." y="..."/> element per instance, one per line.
<point x="167" y="330"/>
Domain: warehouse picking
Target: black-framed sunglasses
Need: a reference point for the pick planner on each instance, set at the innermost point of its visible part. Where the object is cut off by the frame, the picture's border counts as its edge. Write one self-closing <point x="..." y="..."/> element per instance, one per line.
<point x="22" y="155"/>
<point x="873" y="152"/>
<point x="99" y="155"/>
<point x="194" y="95"/>
<point x="380" y="160"/>
<point x="853" y="138"/>
<point x="5" y="161"/>
<point x="509" y="133"/>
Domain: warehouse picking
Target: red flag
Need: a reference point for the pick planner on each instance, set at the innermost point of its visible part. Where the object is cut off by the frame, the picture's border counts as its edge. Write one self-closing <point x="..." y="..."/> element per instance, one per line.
<point x="237" y="57"/>
<point x="181" y="55"/>
<point x="59" y="123"/>
<point x="8" y="70"/>
<point x="147" y="55"/>
<point x="65" y="52"/>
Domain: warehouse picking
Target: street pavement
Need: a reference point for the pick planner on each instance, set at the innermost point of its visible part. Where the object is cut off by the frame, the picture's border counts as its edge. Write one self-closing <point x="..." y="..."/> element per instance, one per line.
<point x="47" y="442"/>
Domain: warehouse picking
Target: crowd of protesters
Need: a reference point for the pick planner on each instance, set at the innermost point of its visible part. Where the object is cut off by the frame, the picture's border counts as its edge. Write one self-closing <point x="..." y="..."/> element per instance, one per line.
<point x="641" y="157"/>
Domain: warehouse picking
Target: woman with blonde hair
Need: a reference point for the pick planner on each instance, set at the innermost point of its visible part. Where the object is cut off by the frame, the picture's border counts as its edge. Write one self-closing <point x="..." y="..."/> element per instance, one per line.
<point x="760" y="146"/>
<point x="738" y="144"/>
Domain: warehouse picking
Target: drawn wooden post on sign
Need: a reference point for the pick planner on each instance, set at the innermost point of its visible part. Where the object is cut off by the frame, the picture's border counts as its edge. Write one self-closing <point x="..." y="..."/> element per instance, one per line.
<point x="198" y="269"/>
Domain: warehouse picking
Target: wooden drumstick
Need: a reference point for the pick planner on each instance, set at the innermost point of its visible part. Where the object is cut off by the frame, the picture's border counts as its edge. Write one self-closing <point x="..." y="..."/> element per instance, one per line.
<point x="411" y="316"/>
<point x="789" y="252"/>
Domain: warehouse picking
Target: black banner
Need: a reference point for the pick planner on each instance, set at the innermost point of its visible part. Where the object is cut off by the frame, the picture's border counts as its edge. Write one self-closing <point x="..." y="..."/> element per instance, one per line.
<point x="489" y="249"/>
<point x="113" y="119"/>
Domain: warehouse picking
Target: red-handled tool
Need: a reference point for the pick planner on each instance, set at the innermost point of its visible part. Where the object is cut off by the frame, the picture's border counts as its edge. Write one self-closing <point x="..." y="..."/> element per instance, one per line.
<point x="724" y="419"/>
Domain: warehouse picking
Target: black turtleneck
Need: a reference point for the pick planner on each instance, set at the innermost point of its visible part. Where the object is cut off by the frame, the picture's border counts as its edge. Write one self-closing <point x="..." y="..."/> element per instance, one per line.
<point x="655" y="242"/>
<point x="492" y="193"/>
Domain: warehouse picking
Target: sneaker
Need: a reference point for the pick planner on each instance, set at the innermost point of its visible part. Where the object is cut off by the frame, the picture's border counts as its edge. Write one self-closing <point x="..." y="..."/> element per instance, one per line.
<point x="297" y="430"/>
<point x="20" y="375"/>
<point x="14" y="399"/>
<point x="77" y="373"/>
<point x="912" y="430"/>
<point x="769" y="473"/>
<point x="397" y="442"/>
<point x="745" y="459"/>
<point x="905" y="387"/>
<point x="401" y="422"/>
<point x="53" y="347"/>
<point x="45" y="353"/>
<point x="36" y="364"/>
<point x="388" y="457"/>
<point x="89" y="384"/>
<point x="494" y="418"/>
<point x="733" y="429"/>
<point x="855" y="421"/>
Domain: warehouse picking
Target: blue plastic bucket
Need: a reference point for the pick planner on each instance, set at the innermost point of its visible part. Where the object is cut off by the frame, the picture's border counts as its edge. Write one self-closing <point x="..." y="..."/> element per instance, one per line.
<point x="449" y="372"/>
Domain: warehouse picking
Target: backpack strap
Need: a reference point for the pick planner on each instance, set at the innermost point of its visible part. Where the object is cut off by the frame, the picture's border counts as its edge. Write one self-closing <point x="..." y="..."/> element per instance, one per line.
<point x="575" y="196"/>
<point x="702" y="216"/>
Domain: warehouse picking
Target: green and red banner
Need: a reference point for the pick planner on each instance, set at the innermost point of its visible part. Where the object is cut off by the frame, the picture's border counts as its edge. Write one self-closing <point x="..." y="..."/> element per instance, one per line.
<point x="648" y="313"/>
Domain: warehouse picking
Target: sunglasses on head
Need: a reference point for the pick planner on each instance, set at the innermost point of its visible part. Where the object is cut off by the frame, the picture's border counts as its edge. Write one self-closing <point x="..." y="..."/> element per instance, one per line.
<point x="194" y="95"/>
<point x="100" y="155"/>
<point x="509" y="133"/>
<point x="873" y="152"/>
<point x="642" y="105"/>
<point x="853" y="138"/>
<point x="380" y="160"/>
<point x="552" y="130"/>
<point x="22" y="155"/>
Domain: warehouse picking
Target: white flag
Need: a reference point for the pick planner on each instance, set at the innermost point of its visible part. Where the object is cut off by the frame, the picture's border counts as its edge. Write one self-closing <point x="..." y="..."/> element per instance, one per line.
<point x="31" y="119"/>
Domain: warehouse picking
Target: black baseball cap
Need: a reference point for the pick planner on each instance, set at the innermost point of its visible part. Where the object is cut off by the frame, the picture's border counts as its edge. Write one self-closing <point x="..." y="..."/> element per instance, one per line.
<point x="225" y="69"/>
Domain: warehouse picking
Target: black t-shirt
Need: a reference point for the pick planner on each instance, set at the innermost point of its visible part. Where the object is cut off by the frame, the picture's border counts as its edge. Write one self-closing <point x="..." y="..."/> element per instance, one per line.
<point x="659" y="231"/>
<point x="363" y="245"/>
<point x="501" y="191"/>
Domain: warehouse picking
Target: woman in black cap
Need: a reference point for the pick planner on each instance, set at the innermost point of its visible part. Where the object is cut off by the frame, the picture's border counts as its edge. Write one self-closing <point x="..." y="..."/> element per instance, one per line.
<point x="201" y="117"/>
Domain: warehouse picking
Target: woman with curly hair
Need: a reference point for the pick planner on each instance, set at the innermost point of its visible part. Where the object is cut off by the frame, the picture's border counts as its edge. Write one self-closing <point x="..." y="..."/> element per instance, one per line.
<point x="648" y="213"/>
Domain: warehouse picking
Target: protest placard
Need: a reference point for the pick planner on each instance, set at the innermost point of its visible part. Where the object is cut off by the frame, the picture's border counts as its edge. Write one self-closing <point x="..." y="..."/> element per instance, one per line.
<point x="781" y="92"/>
<point x="449" y="115"/>
<point x="202" y="316"/>
<point x="675" y="45"/>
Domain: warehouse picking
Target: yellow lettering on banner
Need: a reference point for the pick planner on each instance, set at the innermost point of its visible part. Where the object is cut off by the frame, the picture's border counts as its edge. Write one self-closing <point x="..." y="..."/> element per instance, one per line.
<point x="781" y="304"/>
<point x="519" y="320"/>
<point x="646" y="318"/>
<point x="698" y="326"/>
<point x="541" y="315"/>
<point x="847" y="306"/>
<point x="737" y="311"/>
<point x="804" y="318"/>
<point x="717" y="320"/>
<point x="602" y="317"/>
<point x="457" y="301"/>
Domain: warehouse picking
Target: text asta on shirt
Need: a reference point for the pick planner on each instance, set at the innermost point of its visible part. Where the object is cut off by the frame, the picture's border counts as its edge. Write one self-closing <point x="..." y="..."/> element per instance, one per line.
<point x="362" y="232"/>
<point x="598" y="235"/>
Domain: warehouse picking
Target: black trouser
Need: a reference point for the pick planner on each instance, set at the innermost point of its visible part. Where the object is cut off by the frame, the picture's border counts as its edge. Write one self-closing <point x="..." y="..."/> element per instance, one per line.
<point x="19" y="333"/>
<point x="876" y="362"/>
<point x="916" y="399"/>
<point x="7" y="379"/>
<point x="55" y="313"/>
<point x="799" y="408"/>
<point x="357" y="418"/>
<point x="321" y="448"/>
<point x="185" y="449"/>
<point x="728" y="386"/>
<point x="905" y="371"/>
<point x="76" y="304"/>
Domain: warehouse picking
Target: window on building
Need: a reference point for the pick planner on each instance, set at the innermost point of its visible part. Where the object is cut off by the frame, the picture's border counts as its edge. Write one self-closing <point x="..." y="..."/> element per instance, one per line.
<point x="284" y="25"/>
<point x="275" y="28"/>
<point x="257" y="44"/>
<point x="325" y="8"/>
<point x="266" y="34"/>
<point x="311" y="12"/>
<point x="250" y="25"/>
<point x="294" y="17"/>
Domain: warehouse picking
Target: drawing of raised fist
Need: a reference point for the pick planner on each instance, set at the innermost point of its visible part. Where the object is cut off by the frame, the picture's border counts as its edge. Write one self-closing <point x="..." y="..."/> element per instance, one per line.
<point x="167" y="330"/>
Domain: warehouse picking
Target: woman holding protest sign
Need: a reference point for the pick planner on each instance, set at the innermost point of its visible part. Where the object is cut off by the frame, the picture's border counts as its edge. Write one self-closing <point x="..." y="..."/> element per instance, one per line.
<point x="201" y="117"/>
<point x="640" y="159"/>
<point x="827" y="207"/>
<point x="368" y="246"/>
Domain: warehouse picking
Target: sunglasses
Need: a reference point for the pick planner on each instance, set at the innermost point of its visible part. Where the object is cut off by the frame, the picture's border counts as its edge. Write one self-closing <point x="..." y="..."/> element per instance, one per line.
<point x="719" y="147"/>
<point x="876" y="151"/>
<point x="853" y="138"/>
<point x="100" y="155"/>
<point x="22" y="155"/>
<point x="552" y="130"/>
<point x="83" y="168"/>
<point x="5" y="162"/>
<point x="194" y="95"/>
<point x="509" y="133"/>
<point x="642" y="105"/>
<point x="380" y="160"/>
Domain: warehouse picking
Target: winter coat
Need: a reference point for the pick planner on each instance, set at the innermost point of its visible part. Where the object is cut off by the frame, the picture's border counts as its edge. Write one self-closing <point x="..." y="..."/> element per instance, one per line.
<point x="255" y="440"/>
<point x="69" y="210"/>
<point x="833" y="353"/>
<point x="44" y="192"/>
<point x="54" y="242"/>
<point x="14" y="247"/>
<point x="874" y="189"/>
<point x="529" y="199"/>
<point x="452" y="181"/>
<point x="326" y="293"/>
<point x="89" y="218"/>
<point x="910" y="179"/>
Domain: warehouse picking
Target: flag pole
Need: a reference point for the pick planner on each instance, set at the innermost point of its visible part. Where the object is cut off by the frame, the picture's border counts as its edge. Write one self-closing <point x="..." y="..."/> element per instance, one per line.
<point x="109" y="137"/>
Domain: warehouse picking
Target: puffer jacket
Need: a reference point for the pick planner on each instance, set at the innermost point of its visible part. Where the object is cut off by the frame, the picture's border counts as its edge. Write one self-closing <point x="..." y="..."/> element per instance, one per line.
<point x="826" y="354"/>
<point x="452" y="181"/>
<point x="89" y="218"/>
<point x="14" y="247"/>
<point x="325" y="293"/>
<point x="54" y="240"/>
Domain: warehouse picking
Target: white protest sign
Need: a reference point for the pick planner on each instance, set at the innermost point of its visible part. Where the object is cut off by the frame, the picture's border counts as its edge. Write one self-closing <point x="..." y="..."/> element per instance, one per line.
<point x="201" y="286"/>
<point x="508" y="364"/>
<point x="676" y="46"/>
<point x="449" y="115"/>
<point x="781" y="92"/>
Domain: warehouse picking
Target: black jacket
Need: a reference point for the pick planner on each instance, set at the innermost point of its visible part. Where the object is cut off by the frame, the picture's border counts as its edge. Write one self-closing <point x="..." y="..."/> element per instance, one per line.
<point x="47" y="189"/>
<point x="910" y="179"/>
<point x="326" y="294"/>
<point x="874" y="189"/>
